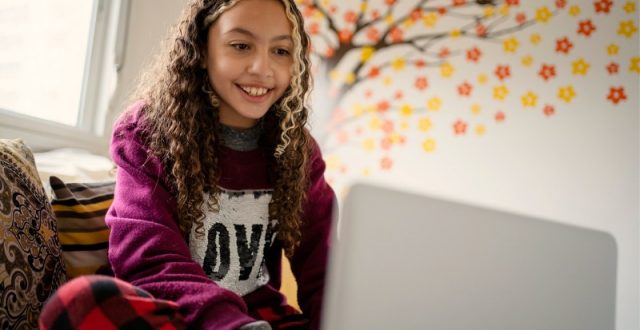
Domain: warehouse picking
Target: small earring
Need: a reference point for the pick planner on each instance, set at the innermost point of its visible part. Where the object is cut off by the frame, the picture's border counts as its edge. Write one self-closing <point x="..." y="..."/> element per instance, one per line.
<point x="211" y="95"/>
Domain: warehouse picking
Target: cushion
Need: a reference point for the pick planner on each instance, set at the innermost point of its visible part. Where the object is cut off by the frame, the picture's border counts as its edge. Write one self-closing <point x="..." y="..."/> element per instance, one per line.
<point x="31" y="266"/>
<point x="80" y="209"/>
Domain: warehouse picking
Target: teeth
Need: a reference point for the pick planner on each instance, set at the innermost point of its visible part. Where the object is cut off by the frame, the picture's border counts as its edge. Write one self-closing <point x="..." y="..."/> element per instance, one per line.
<point x="255" y="91"/>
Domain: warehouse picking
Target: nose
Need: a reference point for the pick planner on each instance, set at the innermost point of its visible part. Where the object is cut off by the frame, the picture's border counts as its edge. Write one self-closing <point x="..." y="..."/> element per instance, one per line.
<point x="260" y="64"/>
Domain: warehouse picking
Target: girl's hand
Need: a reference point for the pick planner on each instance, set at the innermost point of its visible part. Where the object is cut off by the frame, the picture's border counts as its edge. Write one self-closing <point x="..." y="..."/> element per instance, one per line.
<point x="257" y="325"/>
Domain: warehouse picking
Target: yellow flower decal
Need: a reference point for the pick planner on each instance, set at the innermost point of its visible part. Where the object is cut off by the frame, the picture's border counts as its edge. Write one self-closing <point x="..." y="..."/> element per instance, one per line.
<point x="358" y="110"/>
<point x="535" y="38"/>
<point x="529" y="100"/>
<point x="407" y="23"/>
<point x="483" y="79"/>
<point x="366" y="53"/>
<point x="527" y="60"/>
<point x="510" y="45"/>
<point x="574" y="10"/>
<point x="627" y="29"/>
<point x="406" y="110"/>
<point x="543" y="14"/>
<point x="580" y="67"/>
<point x="398" y="64"/>
<point x="388" y="19"/>
<point x="504" y="10"/>
<point x="424" y="124"/>
<point x="375" y="123"/>
<point x="489" y="11"/>
<point x="404" y="125"/>
<point x="387" y="81"/>
<point x="434" y="104"/>
<point x="455" y="33"/>
<point x="446" y="70"/>
<point x="350" y="78"/>
<point x="476" y="109"/>
<point x="429" y="145"/>
<point x="634" y="64"/>
<point x="334" y="75"/>
<point x="500" y="92"/>
<point x="613" y="49"/>
<point x="566" y="93"/>
<point x="430" y="20"/>
<point x="369" y="145"/>
<point x="480" y="129"/>
<point x="630" y="7"/>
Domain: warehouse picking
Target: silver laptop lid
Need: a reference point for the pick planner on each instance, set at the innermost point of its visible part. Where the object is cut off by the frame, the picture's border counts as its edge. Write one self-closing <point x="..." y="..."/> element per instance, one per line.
<point x="405" y="261"/>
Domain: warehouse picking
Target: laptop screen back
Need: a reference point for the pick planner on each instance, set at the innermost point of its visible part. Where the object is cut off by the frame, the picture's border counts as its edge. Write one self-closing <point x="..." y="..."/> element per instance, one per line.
<point x="406" y="261"/>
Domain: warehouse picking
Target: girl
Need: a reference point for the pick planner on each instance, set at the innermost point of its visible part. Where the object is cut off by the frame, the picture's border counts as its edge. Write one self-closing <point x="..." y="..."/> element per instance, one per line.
<point x="217" y="174"/>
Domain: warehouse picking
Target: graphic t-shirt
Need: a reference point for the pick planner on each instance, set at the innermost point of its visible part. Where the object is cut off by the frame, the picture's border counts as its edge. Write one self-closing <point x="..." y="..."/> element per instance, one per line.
<point x="233" y="248"/>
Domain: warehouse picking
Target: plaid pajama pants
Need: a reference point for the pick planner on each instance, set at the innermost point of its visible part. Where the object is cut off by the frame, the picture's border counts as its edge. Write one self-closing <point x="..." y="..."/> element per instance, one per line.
<point x="101" y="302"/>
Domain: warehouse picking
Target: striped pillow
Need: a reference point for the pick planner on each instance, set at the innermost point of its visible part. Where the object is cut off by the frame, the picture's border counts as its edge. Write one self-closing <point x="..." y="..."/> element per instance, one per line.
<point x="80" y="209"/>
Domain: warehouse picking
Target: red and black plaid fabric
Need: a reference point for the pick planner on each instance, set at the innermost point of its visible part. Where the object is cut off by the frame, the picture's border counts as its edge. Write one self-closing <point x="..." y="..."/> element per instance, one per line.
<point x="101" y="302"/>
<point x="281" y="317"/>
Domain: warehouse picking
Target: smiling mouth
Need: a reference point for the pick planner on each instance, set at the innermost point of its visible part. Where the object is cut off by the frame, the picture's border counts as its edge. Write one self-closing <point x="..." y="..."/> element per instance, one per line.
<point x="255" y="91"/>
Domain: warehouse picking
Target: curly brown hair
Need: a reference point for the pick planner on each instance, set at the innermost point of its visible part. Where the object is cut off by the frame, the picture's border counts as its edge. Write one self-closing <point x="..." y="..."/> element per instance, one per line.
<point x="180" y="124"/>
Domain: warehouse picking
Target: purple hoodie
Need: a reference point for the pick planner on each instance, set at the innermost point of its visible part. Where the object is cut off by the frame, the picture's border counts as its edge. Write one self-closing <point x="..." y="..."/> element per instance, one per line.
<point x="147" y="249"/>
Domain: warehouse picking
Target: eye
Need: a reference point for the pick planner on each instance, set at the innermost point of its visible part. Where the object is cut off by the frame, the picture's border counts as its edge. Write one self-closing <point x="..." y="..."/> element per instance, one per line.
<point x="282" y="52"/>
<point x="240" y="46"/>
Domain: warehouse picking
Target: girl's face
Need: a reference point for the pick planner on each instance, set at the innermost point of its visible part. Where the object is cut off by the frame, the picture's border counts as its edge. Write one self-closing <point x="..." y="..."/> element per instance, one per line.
<point x="249" y="59"/>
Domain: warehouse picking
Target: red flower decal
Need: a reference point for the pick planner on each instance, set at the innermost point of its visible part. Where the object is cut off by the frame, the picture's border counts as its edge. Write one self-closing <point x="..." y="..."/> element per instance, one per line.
<point x="616" y="95"/>
<point x="613" y="68"/>
<point x="421" y="83"/>
<point x="373" y="34"/>
<point x="473" y="54"/>
<point x="563" y="45"/>
<point x="350" y="16"/>
<point x="586" y="28"/>
<point x="549" y="110"/>
<point x="547" y="72"/>
<point x="465" y="89"/>
<point x="459" y="127"/>
<point x="603" y="6"/>
<point x="386" y="163"/>
<point x="396" y="34"/>
<point x="374" y="72"/>
<point x="444" y="52"/>
<point x="481" y="30"/>
<point x="503" y="72"/>
<point x="500" y="116"/>
<point x="382" y="106"/>
<point x="345" y="36"/>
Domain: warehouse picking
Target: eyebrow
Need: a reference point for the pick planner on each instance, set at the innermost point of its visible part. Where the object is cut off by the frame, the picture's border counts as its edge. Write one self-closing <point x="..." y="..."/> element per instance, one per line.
<point x="250" y="34"/>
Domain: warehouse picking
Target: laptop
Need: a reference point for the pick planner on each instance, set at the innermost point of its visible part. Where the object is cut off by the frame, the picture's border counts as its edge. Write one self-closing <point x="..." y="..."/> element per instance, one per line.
<point x="406" y="261"/>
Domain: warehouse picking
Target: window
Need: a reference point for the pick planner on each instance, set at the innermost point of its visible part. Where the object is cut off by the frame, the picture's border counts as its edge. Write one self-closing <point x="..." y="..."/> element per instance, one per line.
<point x="58" y="63"/>
<point x="45" y="48"/>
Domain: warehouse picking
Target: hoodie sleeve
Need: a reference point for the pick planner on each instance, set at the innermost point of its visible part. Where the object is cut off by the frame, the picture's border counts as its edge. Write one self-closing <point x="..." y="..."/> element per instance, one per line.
<point x="309" y="263"/>
<point x="146" y="247"/>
